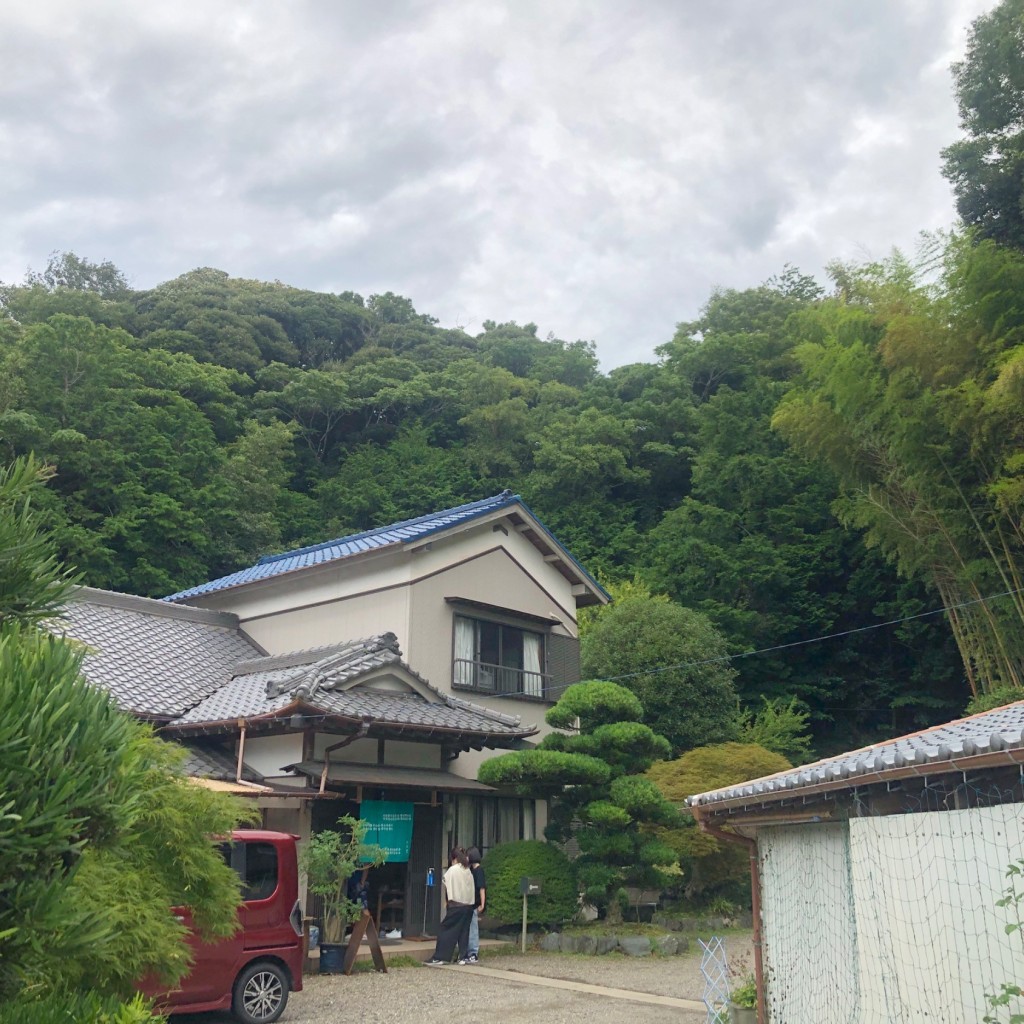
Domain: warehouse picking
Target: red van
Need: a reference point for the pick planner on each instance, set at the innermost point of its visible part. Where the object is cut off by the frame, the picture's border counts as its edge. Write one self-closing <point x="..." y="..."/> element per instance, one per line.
<point x="253" y="972"/>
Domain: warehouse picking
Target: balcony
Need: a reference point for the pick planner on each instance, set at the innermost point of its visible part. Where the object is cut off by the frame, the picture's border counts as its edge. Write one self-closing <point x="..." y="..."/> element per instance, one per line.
<point x="500" y="681"/>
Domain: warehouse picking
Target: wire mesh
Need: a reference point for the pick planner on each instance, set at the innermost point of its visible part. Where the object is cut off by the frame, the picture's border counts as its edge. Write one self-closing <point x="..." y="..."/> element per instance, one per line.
<point x="894" y="915"/>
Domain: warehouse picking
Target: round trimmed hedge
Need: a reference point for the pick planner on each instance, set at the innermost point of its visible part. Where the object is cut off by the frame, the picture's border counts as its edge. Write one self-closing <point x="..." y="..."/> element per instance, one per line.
<point x="505" y="865"/>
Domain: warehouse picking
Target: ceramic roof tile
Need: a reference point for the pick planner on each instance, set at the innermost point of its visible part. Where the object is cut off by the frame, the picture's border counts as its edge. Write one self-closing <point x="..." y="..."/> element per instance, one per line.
<point x="322" y="681"/>
<point x="384" y="536"/>
<point x="154" y="659"/>
<point x="208" y="762"/>
<point x="343" y="547"/>
<point x="1000" y="729"/>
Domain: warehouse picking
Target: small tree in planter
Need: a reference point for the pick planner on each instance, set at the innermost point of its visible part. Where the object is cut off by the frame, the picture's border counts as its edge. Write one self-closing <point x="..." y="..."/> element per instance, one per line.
<point x="329" y="860"/>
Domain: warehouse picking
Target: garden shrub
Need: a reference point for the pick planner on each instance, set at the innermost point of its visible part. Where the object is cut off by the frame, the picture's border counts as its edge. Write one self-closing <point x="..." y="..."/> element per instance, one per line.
<point x="711" y="868"/>
<point x="78" y="1008"/>
<point x="505" y="865"/>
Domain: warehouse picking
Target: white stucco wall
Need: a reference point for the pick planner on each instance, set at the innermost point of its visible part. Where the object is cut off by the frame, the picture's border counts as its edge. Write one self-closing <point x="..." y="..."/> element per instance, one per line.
<point x="268" y="754"/>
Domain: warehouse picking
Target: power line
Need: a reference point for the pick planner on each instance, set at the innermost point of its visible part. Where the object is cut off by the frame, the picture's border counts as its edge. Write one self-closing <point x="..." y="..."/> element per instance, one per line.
<point x="812" y="640"/>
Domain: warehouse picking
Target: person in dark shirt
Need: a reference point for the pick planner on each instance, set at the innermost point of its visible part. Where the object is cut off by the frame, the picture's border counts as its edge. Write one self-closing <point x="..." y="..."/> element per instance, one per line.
<point x="358" y="890"/>
<point x="480" y="885"/>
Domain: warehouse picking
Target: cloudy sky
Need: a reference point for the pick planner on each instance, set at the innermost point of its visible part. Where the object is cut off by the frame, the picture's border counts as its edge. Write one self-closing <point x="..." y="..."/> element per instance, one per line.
<point x="593" y="166"/>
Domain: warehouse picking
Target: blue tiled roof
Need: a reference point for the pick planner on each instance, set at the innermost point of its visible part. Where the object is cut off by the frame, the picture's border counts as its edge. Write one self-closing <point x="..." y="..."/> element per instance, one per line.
<point x="383" y="536"/>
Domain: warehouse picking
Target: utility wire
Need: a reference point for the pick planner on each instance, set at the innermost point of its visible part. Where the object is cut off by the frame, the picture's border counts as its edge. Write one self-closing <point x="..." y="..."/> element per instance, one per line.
<point x="812" y="640"/>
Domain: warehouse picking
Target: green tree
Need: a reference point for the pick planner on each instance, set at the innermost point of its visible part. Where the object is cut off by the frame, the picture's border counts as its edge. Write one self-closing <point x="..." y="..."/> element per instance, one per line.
<point x="100" y="832"/>
<point x="600" y="798"/>
<point x="67" y="271"/>
<point x="711" y="867"/>
<point x="779" y="726"/>
<point x="904" y="397"/>
<point x="673" y="659"/>
<point x="986" y="168"/>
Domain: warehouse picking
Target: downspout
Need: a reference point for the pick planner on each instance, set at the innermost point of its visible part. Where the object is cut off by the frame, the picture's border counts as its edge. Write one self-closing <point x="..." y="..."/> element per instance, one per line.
<point x="755" y="903"/>
<point x="363" y="730"/>
<point x="241" y="750"/>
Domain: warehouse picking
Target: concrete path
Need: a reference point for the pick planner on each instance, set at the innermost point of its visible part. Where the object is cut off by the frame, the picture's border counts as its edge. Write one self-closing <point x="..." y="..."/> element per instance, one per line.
<point x="576" y="986"/>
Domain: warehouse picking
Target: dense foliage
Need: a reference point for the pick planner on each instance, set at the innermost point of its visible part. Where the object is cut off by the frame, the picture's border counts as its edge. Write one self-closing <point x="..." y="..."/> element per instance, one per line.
<point x="710" y="867"/>
<point x="100" y="832"/>
<point x="986" y="167"/>
<point x="673" y="659"/>
<point x="506" y="864"/>
<point x="798" y="466"/>
<point x="329" y="860"/>
<point x="599" y="798"/>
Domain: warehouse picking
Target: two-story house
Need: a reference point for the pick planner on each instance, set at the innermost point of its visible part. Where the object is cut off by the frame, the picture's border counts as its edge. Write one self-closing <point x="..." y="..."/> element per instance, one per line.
<point x="369" y="675"/>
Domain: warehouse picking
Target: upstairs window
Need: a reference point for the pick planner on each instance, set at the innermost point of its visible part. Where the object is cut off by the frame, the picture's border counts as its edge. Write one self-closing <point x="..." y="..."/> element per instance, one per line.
<point x="492" y="657"/>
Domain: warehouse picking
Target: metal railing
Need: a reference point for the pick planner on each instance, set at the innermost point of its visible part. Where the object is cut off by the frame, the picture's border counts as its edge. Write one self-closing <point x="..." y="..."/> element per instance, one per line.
<point x="499" y="679"/>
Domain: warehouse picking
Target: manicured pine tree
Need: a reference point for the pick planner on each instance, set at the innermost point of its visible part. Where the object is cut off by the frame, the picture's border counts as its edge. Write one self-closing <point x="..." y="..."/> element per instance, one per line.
<point x="593" y="776"/>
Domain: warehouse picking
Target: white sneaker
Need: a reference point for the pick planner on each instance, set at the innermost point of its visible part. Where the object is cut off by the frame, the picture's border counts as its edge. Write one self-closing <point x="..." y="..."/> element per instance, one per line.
<point x="395" y="933"/>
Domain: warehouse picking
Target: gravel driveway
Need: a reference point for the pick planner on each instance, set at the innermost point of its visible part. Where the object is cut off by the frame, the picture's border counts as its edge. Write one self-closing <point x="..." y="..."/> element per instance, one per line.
<point x="440" y="995"/>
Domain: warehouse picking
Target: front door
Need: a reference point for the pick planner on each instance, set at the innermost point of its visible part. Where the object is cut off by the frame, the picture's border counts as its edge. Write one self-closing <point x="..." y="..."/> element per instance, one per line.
<point x="423" y="902"/>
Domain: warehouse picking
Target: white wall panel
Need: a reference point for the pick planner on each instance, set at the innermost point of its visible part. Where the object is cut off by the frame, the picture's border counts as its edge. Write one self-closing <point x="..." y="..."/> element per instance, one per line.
<point x="808" y="925"/>
<point x="932" y="942"/>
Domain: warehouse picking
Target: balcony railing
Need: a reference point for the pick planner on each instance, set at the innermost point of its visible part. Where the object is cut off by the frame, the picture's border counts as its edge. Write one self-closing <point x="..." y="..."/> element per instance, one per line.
<point x="500" y="680"/>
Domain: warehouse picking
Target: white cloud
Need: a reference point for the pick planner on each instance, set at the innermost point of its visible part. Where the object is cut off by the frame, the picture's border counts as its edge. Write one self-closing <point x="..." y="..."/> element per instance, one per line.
<point x="591" y="166"/>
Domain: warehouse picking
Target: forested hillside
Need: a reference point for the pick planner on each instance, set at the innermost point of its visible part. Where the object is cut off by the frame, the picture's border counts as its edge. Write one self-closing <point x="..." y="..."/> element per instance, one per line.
<point x="802" y="463"/>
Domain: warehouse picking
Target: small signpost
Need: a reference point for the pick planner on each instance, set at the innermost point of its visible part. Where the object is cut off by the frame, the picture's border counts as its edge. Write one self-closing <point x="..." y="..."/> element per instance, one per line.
<point x="527" y="887"/>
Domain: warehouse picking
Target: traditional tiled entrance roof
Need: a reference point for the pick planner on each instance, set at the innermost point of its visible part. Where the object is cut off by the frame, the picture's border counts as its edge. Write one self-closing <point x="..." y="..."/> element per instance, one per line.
<point x="197" y="671"/>
<point x="323" y="683"/>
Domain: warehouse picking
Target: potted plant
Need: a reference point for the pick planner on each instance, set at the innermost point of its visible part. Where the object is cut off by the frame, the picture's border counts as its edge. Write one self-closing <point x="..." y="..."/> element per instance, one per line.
<point x="743" y="1002"/>
<point x="329" y="860"/>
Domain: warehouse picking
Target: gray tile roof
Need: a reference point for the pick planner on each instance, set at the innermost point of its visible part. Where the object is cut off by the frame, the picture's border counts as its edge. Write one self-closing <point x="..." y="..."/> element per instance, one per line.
<point x="399" y="533"/>
<point x="990" y="731"/>
<point x="321" y="680"/>
<point x="208" y="762"/>
<point x="192" y="666"/>
<point x="155" y="659"/>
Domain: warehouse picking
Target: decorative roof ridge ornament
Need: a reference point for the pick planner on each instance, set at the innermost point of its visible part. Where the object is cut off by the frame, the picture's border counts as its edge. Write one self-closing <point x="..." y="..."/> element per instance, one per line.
<point x="352" y="657"/>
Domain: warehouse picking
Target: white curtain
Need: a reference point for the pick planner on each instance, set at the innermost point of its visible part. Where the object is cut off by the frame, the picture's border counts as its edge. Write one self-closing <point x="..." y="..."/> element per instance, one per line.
<point x="465" y="651"/>
<point x="533" y="681"/>
<point x="509" y="823"/>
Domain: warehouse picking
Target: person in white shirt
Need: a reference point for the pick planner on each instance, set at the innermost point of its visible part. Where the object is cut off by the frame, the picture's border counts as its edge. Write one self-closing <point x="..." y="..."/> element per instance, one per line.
<point x="460" y="895"/>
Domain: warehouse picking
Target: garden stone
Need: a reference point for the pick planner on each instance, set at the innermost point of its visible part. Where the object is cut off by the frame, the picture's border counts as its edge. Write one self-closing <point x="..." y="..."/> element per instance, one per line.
<point x="746" y="919"/>
<point x="668" y="945"/>
<point x="568" y="944"/>
<point x="551" y="942"/>
<point x="586" y="944"/>
<point x="606" y="943"/>
<point x="668" y="922"/>
<point x="635" y="945"/>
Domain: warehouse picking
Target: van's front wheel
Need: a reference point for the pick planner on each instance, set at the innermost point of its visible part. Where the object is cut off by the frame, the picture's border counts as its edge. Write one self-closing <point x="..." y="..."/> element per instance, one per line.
<point x="261" y="993"/>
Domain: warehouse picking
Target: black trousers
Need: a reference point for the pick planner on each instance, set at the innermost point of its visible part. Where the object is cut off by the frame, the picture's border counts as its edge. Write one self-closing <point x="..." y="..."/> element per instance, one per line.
<point x="453" y="930"/>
